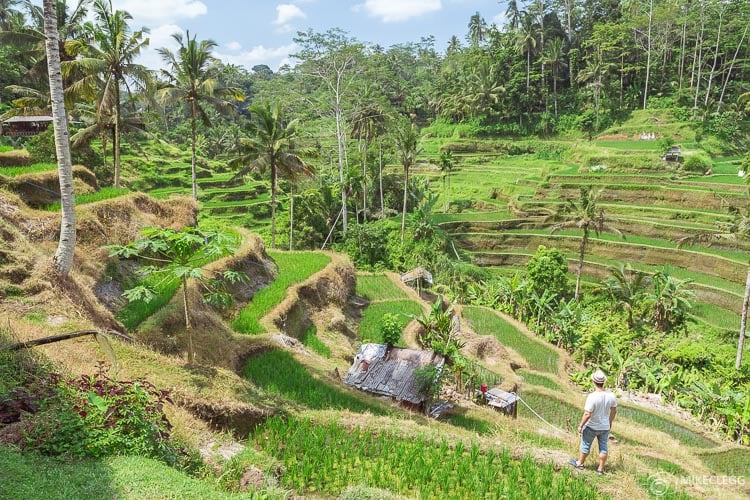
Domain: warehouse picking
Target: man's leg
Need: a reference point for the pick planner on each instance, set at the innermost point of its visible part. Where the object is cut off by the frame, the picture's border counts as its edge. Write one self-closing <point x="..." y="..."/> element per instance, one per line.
<point x="587" y="439"/>
<point x="603" y="450"/>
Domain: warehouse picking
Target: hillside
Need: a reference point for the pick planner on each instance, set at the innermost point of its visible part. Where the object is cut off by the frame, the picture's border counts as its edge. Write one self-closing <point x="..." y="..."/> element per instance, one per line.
<point x="220" y="412"/>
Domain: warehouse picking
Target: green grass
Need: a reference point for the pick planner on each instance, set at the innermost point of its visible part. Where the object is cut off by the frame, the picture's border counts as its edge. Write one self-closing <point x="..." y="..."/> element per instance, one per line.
<point x="311" y="340"/>
<point x="28" y="475"/>
<point x="477" y="425"/>
<point x="4" y="148"/>
<point x="294" y="267"/>
<point x="277" y="372"/>
<point x="657" y="488"/>
<point x="664" y="465"/>
<point x="378" y="287"/>
<point x="369" y="327"/>
<point x="101" y="195"/>
<point x="540" y="380"/>
<point x="31" y="169"/>
<point x="653" y="421"/>
<point x="136" y="311"/>
<point x="731" y="463"/>
<point x="539" y="356"/>
<point x="324" y="459"/>
<point x="555" y="411"/>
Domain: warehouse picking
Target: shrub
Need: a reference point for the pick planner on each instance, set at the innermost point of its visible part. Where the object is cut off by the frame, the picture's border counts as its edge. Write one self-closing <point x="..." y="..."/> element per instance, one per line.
<point x="94" y="415"/>
<point x="698" y="162"/>
<point x="41" y="147"/>
<point x="390" y="329"/>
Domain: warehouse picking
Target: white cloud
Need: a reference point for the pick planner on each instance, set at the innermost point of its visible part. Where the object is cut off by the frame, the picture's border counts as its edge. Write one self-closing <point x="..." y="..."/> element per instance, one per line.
<point x="274" y="57"/>
<point x="233" y="45"/>
<point x="161" y="36"/>
<point x="286" y="12"/>
<point x="160" y="12"/>
<point x="393" y="11"/>
<point x="500" y="20"/>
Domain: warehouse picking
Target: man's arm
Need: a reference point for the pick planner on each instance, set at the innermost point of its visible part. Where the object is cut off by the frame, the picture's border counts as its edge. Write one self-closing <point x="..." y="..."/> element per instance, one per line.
<point x="612" y="414"/>
<point x="584" y="419"/>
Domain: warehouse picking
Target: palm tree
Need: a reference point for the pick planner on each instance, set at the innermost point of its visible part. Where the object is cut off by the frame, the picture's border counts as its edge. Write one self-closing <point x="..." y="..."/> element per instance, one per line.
<point x="193" y="78"/>
<point x="111" y="59"/>
<point x="63" y="259"/>
<point x="734" y="232"/>
<point x="627" y="286"/>
<point x="513" y="14"/>
<point x="368" y="122"/>
<point x="586" y="216"/>
<point x="526" y="43"/>
<point x="671" y="299"/>
<point x="446" y="167"/>
<point x="270" y="146"/>
<point x="554" y="55"/>
<point x="477" y="29"/>
<point x="407" y="145"/>
<point x="8" y="12"/>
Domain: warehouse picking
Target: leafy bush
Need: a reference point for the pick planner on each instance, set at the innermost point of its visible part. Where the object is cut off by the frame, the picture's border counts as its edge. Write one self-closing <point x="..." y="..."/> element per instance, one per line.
<point x="94" y="415"/>
<point x="390" y="329"/>
<point x="41" y="147"/>
<point x="699" y="162"/>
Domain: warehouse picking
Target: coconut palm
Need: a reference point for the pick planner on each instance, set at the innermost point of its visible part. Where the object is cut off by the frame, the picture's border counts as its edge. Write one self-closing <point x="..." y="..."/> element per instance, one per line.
<point x="63" y="259"/>
<point x="733" y="232"/>
<point x="586" y="216"/>
<point x="446" y="168"/>
<point x="554" y="55"/>
<point x="513" y="14"/>
<point x="8" y="13"/>
<point x="368" y="122"/>
<point x="407" y="146"/>
<point x="526" y="42"/>
<point x="477" y="29"/>
<point x="627" y="288"/>
<point x="111" y="59"/>
<point x="192" y="77"/>
<point x="270" y="147"/>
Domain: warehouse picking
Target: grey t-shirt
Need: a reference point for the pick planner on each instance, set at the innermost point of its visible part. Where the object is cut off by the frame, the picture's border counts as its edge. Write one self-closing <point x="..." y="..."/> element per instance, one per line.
<point x="599" y="403"/>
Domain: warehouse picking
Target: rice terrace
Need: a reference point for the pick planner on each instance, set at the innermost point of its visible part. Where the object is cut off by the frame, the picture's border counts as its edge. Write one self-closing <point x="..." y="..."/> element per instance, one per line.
<point x="374" y="250"/>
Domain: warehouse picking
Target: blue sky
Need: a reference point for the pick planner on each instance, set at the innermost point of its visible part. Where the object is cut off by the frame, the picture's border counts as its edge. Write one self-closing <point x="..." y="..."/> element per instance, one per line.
<point x="254" y="32"/>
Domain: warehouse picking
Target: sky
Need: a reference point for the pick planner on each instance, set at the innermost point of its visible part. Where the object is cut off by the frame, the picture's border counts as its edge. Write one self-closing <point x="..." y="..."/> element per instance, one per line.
<point x="250" y="32"/>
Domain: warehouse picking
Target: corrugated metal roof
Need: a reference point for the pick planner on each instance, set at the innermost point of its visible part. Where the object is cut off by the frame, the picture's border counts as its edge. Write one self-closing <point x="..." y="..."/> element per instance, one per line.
<point x="390" y="372"/>
<point x="27" y="119"/>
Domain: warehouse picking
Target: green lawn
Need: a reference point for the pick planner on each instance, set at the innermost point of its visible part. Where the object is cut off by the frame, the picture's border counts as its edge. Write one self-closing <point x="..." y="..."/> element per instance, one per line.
<point x="294" y="267"/>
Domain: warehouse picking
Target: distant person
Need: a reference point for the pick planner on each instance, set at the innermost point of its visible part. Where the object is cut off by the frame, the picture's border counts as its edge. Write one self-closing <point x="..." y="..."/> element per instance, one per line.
<point x="598" y="414"/>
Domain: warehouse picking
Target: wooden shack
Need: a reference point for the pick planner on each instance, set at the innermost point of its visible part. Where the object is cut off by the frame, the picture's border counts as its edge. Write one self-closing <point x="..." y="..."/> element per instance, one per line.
<point x="20" y="126"/>
<point x="672" y="154"/>
<point x="392" y="372"/>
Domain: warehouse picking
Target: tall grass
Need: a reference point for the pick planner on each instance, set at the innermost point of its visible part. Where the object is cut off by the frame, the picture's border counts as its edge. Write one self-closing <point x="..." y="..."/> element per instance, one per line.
<point x="378" y="287"/>
<point x="278" y="372"/>
<point x="101" y="195"/>
<point x="369" y="327"/>
<point x="540" y="380"/>
<point x="324" y="459"/>
<point x="136" y="311"/>
<point x="311" y="340"/>
<point x="731" y="462"/>
<point x="294" y="267"/>
<point x="539" y="356"/>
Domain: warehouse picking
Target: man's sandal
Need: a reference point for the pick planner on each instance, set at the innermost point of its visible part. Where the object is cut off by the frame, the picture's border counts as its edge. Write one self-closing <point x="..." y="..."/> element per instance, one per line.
<point x="575" y="464"/>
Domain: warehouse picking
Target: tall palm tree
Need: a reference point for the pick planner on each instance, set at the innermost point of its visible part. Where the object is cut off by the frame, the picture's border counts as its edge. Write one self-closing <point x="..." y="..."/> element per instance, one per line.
<point x="63" y="259"/>
<point x="8" y="12"/>
<point x="110" y="58"/>
<point x="368" y="122"/>
<point x="477" y="29"/>
<point x="733" y="232"/>
<point x="193" y="79"/>
<point x="513" y="14"/>
<point x="526" y="42"/>
<point x="270" y="147"/>
<point x="407" y="146"/>
<point x="586" y="216"/>
<point x="554" y="55"/>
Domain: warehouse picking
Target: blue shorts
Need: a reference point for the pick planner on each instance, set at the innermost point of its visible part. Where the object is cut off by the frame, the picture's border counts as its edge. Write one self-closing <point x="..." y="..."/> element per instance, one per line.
<point x="587" y="439"/>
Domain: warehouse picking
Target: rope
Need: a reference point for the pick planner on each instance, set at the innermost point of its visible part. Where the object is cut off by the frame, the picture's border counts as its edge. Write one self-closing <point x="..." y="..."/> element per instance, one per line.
<point x="540" y="417"/>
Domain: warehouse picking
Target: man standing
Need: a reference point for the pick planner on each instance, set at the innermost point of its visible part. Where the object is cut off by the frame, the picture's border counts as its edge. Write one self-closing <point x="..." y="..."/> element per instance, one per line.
<point x="598" y="415"/>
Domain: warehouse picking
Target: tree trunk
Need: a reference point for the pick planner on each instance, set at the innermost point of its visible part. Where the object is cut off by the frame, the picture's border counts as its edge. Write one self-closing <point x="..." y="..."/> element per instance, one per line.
<point x="63" y="259"/>
<point x="731" y="67"/>
<point x="743" y="323"/>
<point x="364" y="184"/>
<point x="683" y="43"/>
<point x="698" y="60"/>
<point x="274" y="181"/>
<point x="117" y="136"/>
<point x="291" y="218"/>
<point x="403" y="210"/>
<point x="648" y="53"/>
<point x="188" y="327"/>
<point x="340" y="141"/>
<point x="380" y="175"/>
<point x="192" y="149"/>
<point x="716" y="58"/>
<point x="581" y="253"/>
